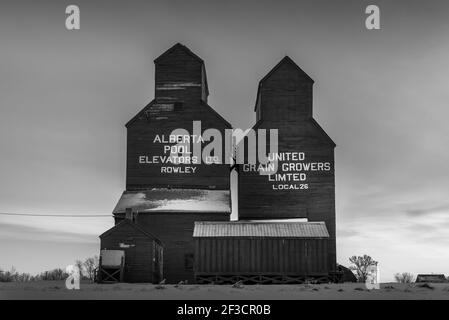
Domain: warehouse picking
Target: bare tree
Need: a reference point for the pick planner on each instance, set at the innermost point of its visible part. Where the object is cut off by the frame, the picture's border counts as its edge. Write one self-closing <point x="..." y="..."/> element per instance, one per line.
<point x="55" y="274"/>
<point x="90" y="265"/>
<point x="13" y="275"/>
<point x="361" y="265"/>
<point x="80" y="266"/>
<point x="404" y="277"/>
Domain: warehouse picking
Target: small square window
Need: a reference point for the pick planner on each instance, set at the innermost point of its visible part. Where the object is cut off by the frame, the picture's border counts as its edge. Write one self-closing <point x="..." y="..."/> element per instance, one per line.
<point x="178" y="106"/>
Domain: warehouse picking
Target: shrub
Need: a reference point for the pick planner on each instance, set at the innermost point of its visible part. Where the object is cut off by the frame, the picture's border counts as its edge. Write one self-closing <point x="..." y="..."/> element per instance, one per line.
<point x="404" y="277"/>
<point x="55" y="274"/>
<point x="13" y="276"/>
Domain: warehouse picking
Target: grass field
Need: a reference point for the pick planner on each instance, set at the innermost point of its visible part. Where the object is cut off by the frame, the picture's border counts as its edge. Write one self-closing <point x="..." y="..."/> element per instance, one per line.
<point x="57" y="290"/>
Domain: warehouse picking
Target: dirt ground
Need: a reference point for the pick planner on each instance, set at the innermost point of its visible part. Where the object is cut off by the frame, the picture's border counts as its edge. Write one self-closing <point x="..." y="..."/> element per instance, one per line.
<point x="57" y="290"/>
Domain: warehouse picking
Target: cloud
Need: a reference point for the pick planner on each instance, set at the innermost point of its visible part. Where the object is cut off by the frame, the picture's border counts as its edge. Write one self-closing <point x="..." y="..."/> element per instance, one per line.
<point x="420" y="227"/>
<point x="9" y="231"/>
<point x="347" y="233"/>
<point x="427" y="211"/>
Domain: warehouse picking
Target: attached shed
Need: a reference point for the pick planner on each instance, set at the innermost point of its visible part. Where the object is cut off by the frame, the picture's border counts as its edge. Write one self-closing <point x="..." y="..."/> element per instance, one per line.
<point x="143" y="251"/>
<point x="261" y="252"/>
<point x="169" y="215"/>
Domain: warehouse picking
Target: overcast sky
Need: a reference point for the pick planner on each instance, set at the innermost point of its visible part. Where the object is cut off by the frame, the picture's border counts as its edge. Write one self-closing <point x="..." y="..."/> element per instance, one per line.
<point x="381" y="95"/>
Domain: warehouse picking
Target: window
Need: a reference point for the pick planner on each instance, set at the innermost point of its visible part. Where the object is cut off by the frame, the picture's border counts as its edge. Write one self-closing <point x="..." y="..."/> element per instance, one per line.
<point x="178" y="106"/>
<point x="188" y="261"/>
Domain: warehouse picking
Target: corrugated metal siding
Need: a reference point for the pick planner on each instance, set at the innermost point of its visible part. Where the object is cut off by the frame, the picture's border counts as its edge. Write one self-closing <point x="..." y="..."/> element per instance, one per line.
<point x="268" y="256"/>
<point x="261" y="229"/>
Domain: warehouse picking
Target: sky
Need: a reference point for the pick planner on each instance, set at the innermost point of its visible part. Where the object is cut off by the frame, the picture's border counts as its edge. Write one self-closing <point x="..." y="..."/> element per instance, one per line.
<point x="381" y="95"/>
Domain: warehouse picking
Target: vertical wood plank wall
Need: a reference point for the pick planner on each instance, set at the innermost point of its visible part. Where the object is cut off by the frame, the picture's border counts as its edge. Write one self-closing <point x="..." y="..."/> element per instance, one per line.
<point x="285" y="103"/>
<point x="235" y="255"/>
<point x="139" y="255"/>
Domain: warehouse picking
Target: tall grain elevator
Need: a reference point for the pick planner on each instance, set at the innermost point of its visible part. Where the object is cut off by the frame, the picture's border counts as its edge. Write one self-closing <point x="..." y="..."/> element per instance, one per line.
<point x="168" y="190"/>
<point x="303" y="187"/>
<point x="173" y="219"/>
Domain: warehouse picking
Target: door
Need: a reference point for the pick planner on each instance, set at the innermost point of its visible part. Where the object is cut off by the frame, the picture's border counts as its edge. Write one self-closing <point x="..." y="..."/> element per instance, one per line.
<point x="158" y="262"/>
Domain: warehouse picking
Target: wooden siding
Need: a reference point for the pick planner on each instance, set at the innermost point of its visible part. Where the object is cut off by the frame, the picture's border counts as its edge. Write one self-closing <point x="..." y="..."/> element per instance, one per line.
<point x="141" y="135"/>
<point x="271" y="256"/>
<point x="285" y="94"/>
<point x="285" y="103"/>
<point x="140" y="253"/>
<point x="180" y="75"/>
<point x="175" y="230"/>
<point x="180" y="98"/>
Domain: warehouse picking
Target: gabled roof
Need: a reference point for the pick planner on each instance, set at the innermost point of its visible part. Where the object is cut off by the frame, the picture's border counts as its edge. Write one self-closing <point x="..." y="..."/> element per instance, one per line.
<point x="133" y="225"/>
<point x="179" y="46"/>
<point x="175" y="200"/>
<point x="260" y="229"/>
<point x="285" y="60"/>
<point x="326" y="136"/>
<point x="312" y="120"/>
<point x="219" y="116"/>
<point x="431" y="278"/>
<point x="138" y="113"/>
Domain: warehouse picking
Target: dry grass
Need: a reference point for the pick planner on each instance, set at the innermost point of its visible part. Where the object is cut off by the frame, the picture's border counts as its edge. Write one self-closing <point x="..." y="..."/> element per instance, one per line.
<point x="57" y="290"/>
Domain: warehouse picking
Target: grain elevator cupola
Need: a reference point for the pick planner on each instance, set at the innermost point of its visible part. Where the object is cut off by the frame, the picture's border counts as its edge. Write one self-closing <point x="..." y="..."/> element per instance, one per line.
<point x="285" y="93"/>
<point x="180" y="74"/>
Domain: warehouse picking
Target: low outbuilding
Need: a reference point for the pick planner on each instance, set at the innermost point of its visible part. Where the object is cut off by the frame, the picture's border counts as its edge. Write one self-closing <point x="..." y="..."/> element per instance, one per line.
<point x="261" y="252"/>
<point x="435" y="278"/>
<point x="143" y="252"/>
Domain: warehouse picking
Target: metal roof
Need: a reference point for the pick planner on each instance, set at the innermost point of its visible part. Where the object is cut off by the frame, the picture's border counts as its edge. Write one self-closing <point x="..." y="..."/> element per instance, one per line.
<point x="175" y="200"/>
<point x="431" y="278"/>
<point x="261" y="229"/>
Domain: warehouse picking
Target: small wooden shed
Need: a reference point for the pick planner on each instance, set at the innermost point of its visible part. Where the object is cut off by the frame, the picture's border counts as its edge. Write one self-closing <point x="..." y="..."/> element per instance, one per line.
<point x="435" y="278"/>
<point x="143" y="251"/>
<point x="261" y="252"/>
